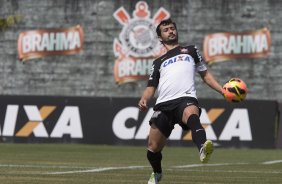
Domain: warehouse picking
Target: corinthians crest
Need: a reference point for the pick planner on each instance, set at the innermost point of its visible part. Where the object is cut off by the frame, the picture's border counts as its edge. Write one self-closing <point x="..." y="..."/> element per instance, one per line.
<point x="137" y="45"/>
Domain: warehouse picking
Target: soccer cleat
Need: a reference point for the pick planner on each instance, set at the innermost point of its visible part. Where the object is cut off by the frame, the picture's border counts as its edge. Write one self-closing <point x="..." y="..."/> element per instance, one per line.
<point x="155" y="178"/>
<point x="206" y="151"/>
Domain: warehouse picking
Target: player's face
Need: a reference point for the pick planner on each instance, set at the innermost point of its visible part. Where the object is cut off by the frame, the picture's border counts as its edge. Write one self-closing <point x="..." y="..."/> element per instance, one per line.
<point x="169" y="34"/>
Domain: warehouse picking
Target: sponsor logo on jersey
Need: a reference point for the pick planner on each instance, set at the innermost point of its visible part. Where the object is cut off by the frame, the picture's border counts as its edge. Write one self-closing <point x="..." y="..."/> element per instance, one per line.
<point x="176" y="59"/>
<point x="137" y="45"/>
<point x="226" y="46"/>
<point x="40" y="43"/>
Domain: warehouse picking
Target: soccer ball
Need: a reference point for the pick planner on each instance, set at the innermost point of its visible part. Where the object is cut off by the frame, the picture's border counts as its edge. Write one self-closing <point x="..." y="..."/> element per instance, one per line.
<point x="235" y="90"/>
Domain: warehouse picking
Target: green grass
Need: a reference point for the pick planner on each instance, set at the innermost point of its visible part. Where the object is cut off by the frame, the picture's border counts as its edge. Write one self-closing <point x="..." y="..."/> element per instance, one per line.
<point x="78" y="164"/>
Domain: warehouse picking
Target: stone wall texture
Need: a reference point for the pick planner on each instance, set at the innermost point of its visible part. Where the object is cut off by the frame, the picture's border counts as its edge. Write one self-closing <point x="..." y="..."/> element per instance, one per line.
<point x="90" y="73"/>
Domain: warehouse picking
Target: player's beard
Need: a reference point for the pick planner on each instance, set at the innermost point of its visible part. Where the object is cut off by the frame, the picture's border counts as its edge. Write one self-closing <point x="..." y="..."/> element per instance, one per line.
<point x="171" y="41"/>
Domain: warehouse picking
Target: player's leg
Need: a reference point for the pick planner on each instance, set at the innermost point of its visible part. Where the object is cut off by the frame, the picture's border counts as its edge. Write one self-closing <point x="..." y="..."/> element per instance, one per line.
<point x="156" y="142"/>
<point x="159" y="132"/>
<point x="191" y="117"/>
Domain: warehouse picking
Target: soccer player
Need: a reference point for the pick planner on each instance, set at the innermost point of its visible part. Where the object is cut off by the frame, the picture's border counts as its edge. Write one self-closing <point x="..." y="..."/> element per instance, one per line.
<point x="173" y="76"/>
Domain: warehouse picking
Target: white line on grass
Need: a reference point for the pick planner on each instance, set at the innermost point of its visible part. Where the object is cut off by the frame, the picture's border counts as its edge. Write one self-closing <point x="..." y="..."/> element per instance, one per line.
<point x="204" y="165"/>
<point x="235" y="171"/>
<point x="137" y="167"/>
<point x="272" y="162"/>
<point x="102" y="169"/>
<point x="98" y="170"/>
<point x="43" y="166"/>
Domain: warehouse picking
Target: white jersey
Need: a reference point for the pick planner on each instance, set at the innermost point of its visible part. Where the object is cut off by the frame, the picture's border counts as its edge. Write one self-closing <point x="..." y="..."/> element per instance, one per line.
<point x="173" y="74"/>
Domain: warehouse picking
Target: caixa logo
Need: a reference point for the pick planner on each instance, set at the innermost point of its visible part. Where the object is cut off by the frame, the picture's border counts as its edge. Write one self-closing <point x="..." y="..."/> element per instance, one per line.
<point x="237" y="125"/>
<point x="68" y="122"/>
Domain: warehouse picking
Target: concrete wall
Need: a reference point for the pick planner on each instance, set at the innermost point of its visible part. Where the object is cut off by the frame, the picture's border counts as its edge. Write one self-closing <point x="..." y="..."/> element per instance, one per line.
<point x="90" y="73"/>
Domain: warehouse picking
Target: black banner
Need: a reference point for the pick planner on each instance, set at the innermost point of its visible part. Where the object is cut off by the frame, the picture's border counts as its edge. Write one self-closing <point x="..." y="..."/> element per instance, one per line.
<point x="279" y="139"/>
<point x="118" y="121"/>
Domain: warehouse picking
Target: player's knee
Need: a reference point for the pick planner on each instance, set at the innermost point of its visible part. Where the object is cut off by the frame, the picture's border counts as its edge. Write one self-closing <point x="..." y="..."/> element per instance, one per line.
<point x="153" y="146"/>
<point x="190" y="110"/>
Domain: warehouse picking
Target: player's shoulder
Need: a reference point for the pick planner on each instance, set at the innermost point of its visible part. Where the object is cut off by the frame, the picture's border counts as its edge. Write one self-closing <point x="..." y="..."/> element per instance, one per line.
<point x="195" y="53"/>
<point x="160" y="59"/>
<point x="192" y="48"/>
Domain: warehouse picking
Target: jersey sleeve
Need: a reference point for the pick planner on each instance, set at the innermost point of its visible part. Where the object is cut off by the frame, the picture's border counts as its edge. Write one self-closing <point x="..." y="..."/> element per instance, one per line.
<point x="199" y="60"/>
<point x="154" y="77"/>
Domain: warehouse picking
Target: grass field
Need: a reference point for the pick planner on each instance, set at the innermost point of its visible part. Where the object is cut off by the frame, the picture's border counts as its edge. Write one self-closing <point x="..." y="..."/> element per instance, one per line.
<point x="79" y="164"/>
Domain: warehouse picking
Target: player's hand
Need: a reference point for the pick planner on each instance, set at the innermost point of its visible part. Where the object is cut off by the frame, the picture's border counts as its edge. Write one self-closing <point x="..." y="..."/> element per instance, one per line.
<point x="142" y="105"/>
<point x="223" y="92"/>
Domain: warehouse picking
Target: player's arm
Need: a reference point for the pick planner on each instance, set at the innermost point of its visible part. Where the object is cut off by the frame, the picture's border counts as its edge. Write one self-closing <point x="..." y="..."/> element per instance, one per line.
<point x="209" y="79"/>
<point x="152" y="85"/>
<point x="147" y="95"/>
<point x="201" y="67"/>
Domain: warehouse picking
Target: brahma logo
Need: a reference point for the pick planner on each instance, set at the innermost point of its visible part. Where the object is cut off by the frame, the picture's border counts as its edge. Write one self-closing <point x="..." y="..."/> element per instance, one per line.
<point x="237" y="126"/>
<point x="226" y="46"/>
<point x="40" y="43"/>
<point x="68" y="123"/>
<point x="138" y="45"/>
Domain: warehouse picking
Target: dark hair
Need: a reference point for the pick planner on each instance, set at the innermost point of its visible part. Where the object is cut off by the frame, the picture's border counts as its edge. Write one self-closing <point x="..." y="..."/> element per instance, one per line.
<point x="164" y="23"/>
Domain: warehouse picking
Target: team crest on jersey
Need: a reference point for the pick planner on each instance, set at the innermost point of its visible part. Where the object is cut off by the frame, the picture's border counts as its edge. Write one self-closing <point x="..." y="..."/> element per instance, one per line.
<point x="137" y="45"/>
<point x="184" y="50"/>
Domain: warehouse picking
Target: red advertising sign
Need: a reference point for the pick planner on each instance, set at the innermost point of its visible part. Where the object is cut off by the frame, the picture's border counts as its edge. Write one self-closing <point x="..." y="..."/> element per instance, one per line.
<point x="41" y="43"/>
<point x="230" y="45"/>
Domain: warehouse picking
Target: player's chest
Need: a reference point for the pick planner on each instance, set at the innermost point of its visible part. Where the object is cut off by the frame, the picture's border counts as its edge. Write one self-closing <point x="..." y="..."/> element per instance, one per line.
<point x="177" y="63"/>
